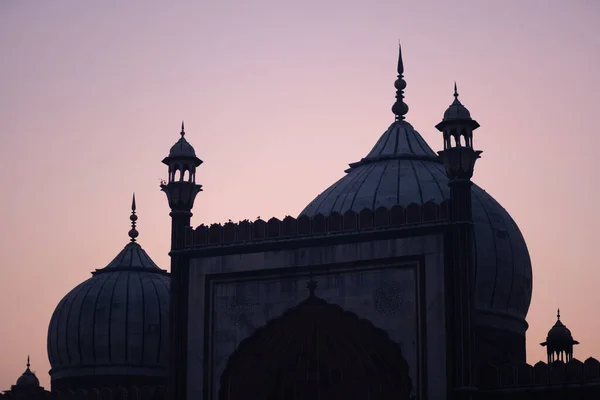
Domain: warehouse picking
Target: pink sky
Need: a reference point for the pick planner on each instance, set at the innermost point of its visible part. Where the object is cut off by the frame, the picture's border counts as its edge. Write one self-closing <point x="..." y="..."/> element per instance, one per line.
<point x="278" y="97"/>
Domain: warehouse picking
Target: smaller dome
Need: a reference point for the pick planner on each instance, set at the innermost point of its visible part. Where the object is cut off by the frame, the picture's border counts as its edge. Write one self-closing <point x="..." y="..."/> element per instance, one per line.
<point x="28" y="379"/>
<point x="182" y="148"/>
<point x="456" y="111"/>
<point x="114" y="327"/>
<point x="559" y="333"/>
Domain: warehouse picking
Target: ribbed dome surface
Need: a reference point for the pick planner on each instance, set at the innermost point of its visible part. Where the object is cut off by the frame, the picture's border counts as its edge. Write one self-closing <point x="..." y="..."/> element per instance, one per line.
<point x="115" y="323"/>
<point x="402" y="169"/>
<point x="182" y="149"/>
<point x="457" y="111"/>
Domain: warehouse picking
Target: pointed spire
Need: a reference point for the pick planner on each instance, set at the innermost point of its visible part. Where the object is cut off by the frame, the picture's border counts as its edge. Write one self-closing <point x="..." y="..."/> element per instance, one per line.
<point x="182" y="129"/>
<point x="28" y="364"/>
<point x="400" y="108"/>
<point x="558" y="314"/>
<point x="133" y="233"/>
<point x="456" y="101"/>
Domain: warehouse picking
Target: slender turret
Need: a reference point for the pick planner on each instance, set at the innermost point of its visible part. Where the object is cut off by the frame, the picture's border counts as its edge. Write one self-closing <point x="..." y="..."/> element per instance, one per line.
<point x="181" y="190"/>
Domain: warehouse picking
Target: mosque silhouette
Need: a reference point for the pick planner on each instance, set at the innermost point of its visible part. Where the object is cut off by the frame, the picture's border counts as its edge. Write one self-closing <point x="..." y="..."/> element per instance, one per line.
<point x="402" y="280"/>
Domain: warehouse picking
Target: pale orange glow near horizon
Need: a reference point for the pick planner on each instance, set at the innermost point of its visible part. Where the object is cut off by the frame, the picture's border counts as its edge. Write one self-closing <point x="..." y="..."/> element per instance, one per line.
<point x="278" y="97"/>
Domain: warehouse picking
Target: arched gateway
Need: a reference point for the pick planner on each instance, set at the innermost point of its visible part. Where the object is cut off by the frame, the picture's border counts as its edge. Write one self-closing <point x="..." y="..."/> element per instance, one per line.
<point x="314" y="351"/>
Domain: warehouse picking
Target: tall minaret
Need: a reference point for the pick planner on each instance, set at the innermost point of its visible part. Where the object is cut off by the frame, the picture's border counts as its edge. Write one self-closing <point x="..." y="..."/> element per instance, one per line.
<point x="181" y="190"/>
<point x="459" y="159"/>
<point x="181" y="187"/>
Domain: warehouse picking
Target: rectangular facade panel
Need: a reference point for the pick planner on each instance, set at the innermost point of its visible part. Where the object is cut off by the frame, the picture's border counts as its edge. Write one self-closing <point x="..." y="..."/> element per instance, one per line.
<point x="386" y="295"/>
<point x="395" y="284"/>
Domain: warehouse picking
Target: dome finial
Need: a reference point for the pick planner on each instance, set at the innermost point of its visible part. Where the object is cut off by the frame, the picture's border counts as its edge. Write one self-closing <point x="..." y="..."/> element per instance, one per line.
<point x="182" y="129"/>
<point x="28" y="364"/>
<point x="558" y="314"/>
<point x="455" y="91"/>
<point x="400" y="108"/>
<point x="133" y="233"/>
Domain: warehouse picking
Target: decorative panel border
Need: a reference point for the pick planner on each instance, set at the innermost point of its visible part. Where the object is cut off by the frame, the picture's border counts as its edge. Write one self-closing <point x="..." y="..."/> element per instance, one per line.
<point x="242" y="308"/>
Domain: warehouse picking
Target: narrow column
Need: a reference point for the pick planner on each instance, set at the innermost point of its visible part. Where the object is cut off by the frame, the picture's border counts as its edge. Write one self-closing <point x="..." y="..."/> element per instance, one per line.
<point x="459" y="160"/>
<point x="181" y="190"/>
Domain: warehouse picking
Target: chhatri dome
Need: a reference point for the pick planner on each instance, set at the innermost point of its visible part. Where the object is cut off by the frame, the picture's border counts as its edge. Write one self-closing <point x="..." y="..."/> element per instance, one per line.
<point x="26" y="387"/>
<point x="182" y="148"/>
<point x="559" y="342"/>
<point x="178" y="160"/>
<point x="28" y="378"/>
<point x="114" y="327"/>
<point x="457" y="111"/>
<point x="402" y="169"/>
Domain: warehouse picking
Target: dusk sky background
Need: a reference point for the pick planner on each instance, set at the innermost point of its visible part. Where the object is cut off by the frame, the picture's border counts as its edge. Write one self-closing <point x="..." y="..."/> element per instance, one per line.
<point x="278" y="97"/>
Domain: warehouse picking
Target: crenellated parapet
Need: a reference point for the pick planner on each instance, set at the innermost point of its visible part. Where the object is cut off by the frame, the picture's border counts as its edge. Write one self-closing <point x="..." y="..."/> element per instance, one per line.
<point x="289" y="227"/>
<point x="119" y="393"/>
<point x="541" y="377"/>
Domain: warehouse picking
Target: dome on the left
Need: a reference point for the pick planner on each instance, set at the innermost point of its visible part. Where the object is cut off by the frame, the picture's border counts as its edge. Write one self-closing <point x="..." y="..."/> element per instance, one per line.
<point x="113" y="328"/>
<point x="26" y="387"/>
<point x="28" y="378"/>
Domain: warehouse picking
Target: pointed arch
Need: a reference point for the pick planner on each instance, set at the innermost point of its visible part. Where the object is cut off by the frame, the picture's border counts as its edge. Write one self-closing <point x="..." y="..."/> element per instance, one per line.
<point x="316" y="350"/>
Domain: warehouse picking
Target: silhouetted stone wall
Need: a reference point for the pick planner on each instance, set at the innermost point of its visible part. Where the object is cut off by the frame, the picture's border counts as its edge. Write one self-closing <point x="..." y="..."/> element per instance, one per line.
<point x="289" y="227"/>
<point x="132" y="393"/>
<point x="573" y="380"/>
<point x="540" y="374"/>
<point x="498" y="346"/>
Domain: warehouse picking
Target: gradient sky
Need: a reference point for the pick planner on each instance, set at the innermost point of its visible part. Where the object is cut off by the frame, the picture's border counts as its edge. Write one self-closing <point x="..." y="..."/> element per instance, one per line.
<point x="278" y="97"/>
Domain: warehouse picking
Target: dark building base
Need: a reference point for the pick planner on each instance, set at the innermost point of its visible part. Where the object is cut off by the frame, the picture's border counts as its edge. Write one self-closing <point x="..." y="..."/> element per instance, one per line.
<point x="107" y="381"/>
<point x="498" y="347"/>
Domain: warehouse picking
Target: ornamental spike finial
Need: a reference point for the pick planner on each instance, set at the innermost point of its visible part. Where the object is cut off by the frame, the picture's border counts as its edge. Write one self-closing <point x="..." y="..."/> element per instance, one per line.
<point x="28" y="364"/>
<point x="182" y="129"/>
<point x="133" y="233"/>
<point x="400" y="63"/>
<point x="558" y="314"/>
<point x="400" y="108"/>
<point x="455" y="91"/>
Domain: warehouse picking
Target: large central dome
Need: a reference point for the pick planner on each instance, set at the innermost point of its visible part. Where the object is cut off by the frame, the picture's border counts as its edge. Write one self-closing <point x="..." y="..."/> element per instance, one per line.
<point x="402" y="169"/>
